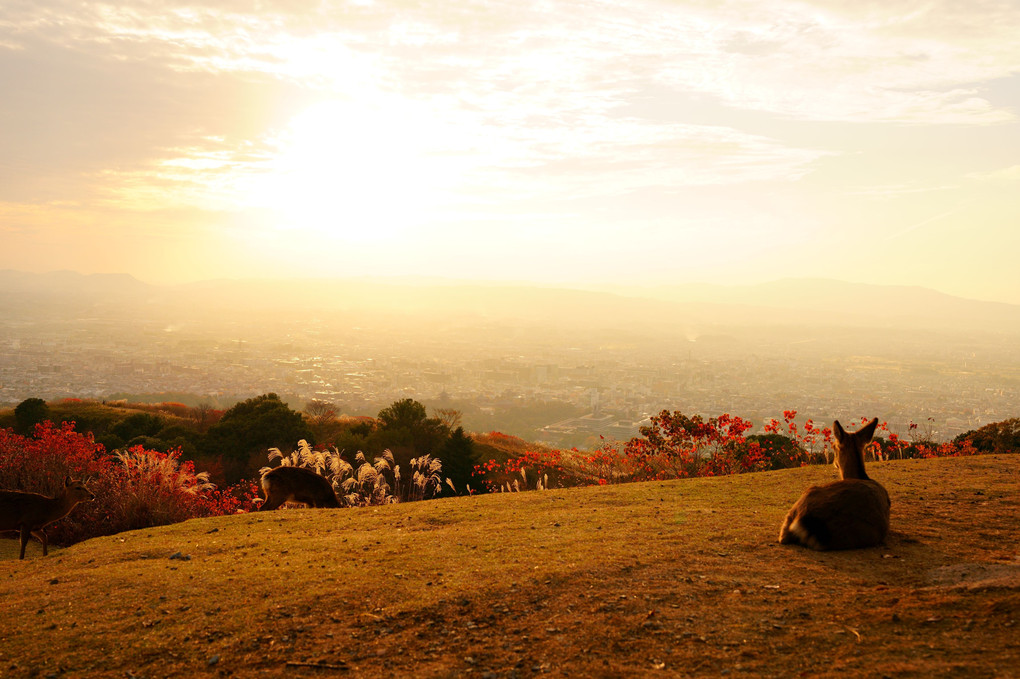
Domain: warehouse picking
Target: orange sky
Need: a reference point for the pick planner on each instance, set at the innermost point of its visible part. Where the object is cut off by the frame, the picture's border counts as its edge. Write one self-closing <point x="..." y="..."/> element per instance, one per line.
<point x="582" y="143"/>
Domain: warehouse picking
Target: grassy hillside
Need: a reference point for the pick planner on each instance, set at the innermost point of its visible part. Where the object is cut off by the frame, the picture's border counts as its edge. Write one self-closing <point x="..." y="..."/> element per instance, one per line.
<point x="660" y="579"/>
<point x="93" y="416"/>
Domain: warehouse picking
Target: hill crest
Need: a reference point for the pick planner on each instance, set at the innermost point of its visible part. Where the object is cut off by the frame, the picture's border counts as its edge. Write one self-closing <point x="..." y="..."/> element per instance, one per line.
<point x="681" y="578"/>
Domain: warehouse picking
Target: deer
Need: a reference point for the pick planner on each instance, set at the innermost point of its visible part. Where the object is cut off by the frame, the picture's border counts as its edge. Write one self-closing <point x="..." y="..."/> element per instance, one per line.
<point x="851" y="513"/>
<point x="29" y="513"/>
<point x="296" y="484"/>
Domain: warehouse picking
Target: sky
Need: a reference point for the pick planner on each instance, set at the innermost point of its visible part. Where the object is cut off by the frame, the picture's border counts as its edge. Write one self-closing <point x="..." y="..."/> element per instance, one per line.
<point x="580" y="143"/>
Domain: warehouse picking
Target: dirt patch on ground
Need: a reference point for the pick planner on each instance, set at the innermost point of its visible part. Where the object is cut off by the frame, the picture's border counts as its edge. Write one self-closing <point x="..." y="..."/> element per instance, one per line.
<point x="977" y="575"/>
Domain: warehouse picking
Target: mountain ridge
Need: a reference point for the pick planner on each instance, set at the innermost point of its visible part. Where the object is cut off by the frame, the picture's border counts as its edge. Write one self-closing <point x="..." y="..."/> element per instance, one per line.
<point x="786" y="301"/>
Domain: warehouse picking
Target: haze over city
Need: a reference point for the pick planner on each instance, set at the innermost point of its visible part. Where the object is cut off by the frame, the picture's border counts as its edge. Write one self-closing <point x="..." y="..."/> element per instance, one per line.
<point x="576" y="144"/>
<point x="546" y="364"/>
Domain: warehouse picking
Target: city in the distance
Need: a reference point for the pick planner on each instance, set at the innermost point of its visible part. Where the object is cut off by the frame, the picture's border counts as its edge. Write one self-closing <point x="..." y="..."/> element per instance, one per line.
<point x="553" y="365"/>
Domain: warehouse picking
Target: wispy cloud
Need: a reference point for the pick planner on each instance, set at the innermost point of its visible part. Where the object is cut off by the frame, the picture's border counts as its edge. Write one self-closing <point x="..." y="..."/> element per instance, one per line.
<point x="1005" y="176"/>
<point x="749" y="118"/>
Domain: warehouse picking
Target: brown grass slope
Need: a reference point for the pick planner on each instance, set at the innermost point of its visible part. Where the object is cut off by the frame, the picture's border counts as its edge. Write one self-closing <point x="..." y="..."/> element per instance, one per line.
<point x="659" y="579"/>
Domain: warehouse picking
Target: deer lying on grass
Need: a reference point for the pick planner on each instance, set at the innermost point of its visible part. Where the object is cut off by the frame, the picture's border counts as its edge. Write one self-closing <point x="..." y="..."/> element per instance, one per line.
<point x="29" y="513"/>
<point x="847" y="514"/>
<point x="296" y="484"/>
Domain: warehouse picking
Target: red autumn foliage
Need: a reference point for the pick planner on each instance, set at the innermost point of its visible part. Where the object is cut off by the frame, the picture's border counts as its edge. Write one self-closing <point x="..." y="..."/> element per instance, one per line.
<point x="675" y="446"/>
<point x="138" y="489"/>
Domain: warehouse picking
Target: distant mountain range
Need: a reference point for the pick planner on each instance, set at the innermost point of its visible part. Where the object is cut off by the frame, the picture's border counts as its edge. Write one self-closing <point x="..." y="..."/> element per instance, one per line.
<point x="806" y="302"/>
<point x="838" y="302"/>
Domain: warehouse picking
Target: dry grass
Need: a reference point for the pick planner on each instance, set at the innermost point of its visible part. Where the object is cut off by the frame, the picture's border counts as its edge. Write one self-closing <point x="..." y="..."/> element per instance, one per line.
<point x="683" y="578"/>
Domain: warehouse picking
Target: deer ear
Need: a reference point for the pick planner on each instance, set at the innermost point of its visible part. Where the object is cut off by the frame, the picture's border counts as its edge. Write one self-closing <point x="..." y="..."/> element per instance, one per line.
<point x="838" y="429"/>
<point x="868" y="432"/>
<point x="67" y="481"/>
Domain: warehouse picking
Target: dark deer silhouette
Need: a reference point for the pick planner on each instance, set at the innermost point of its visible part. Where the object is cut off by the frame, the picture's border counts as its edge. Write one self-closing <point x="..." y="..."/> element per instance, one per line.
<point x="847" y="514"/>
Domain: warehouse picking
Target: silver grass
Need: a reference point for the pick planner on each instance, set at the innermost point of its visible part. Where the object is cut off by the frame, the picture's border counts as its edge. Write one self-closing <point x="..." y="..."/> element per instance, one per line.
<point x="167" y="471"/>
<point x="367" y="473"/>
<point x="341" y="467"/>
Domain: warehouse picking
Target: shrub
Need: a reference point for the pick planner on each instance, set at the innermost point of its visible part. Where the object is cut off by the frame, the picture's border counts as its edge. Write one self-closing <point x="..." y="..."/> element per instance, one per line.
<point x="247" y="430"/>
<point x="998" y="437"/>
<point x="676" y="446"/>
<point x="28" y="413"/>
<point x="363" y="484"/>
<point x="135" y="489"/>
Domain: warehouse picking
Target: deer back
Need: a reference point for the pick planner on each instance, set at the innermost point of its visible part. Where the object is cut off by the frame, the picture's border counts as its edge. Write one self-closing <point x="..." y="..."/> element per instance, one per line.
<point x="295" y="484"/>
<point x="34" y="511"/>
<point x="847" y="514"/>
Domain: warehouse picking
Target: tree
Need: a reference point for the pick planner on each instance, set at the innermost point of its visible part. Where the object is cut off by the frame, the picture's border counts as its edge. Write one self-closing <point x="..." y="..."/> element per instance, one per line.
<point x="679" y="446"/>
<point x="205" y="416"/>
<point x="407" y="430"/>
<point x="459" y="460"/>
<point x="29" y="413"/>
<point x="451" y="417"/>
<point x="779" y="451"/>
<point x="322" y="418"/>
<point x="405" y="414"/>
<point x="998" y="437"/>
<point x="139" y="424"/>
<point x="321" y="412"/>
<point x="249" y="429"/>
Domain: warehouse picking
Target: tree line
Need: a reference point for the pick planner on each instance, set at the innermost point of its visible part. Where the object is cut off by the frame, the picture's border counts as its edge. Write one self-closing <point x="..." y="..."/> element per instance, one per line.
<point x="233" y="444"/>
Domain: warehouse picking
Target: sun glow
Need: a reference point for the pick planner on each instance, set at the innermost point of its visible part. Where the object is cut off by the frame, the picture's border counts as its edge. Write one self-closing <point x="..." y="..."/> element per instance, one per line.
<point x="354" y="172"/>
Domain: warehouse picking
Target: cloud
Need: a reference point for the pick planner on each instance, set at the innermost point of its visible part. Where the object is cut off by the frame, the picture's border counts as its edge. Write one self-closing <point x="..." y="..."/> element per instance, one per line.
<point x="524" y="97"/>
<point x="1005" y="176"/>
<point x="806" y="60"/>
<point x="587" y="112"/>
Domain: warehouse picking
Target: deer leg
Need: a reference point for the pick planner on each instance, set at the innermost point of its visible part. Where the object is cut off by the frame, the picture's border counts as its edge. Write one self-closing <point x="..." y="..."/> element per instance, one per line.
<point x="25" y="534"/>
<point x="42" y="538"/>
<point x="270" y="504"/>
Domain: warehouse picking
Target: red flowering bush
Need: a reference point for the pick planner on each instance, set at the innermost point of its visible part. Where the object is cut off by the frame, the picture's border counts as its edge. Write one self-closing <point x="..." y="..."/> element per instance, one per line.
<point x="135" y="489"/>
<point x="676" y="446"/>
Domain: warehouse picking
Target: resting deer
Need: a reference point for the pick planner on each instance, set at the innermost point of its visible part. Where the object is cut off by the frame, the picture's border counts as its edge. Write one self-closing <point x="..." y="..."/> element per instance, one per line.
<point x="846" y="514"/>
<point x="29" y="513"/>
<point x="295" y="484"/>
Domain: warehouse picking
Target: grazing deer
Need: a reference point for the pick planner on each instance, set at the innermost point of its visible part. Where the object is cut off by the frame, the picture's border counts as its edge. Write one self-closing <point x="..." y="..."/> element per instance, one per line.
<point x="295" y="484"/>
<point x="847" y="514"/>
<point x="29" y="513"/>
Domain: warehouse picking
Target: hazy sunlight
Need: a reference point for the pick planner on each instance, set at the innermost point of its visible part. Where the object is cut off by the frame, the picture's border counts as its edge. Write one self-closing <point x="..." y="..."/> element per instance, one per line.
<point x="351" y="172"/>
<point x="223" y="139"/>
